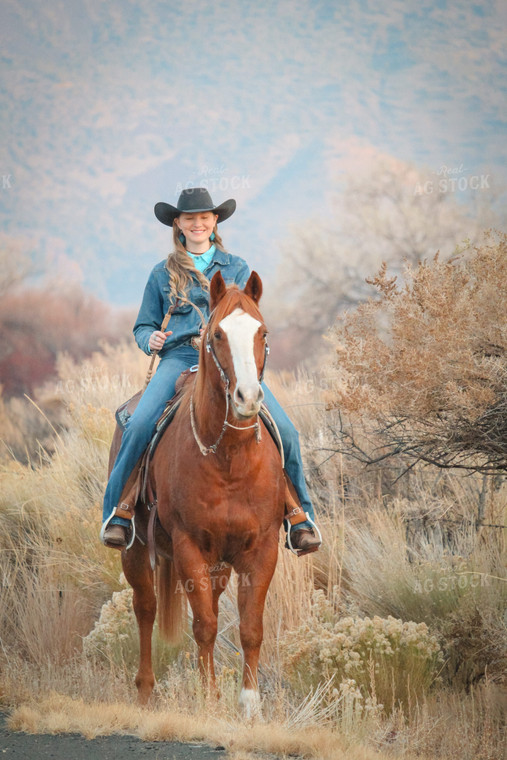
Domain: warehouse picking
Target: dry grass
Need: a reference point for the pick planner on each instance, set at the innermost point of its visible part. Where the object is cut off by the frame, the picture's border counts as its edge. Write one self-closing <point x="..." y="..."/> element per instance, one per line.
<point x="447" y="728"/>
<point x="55" y="576"/>
<point x="56" y="714"/>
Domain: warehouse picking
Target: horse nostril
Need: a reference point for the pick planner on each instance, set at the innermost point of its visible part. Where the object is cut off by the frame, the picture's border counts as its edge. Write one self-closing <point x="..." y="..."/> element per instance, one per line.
<point x="260" y="395"/>
<point x="239" y="395"/>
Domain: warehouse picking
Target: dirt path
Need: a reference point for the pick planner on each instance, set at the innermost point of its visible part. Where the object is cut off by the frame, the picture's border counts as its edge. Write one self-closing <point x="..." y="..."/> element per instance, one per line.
<point x="75" y="747"/>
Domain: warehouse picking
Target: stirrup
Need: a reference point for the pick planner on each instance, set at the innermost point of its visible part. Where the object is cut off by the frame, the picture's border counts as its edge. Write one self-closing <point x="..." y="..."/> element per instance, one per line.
<point x="131" y="529"/>
<point x="290" y="527"/>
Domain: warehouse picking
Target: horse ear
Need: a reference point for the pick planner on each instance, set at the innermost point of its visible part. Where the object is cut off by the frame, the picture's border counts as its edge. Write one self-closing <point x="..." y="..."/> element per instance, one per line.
<point x="253" y="288"/>
<point x="217" y="289"/>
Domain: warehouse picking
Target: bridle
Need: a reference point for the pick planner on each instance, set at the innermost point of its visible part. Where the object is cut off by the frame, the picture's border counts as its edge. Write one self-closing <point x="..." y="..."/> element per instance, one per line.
<point x="222" y="372"/>
<point x="205" y="450"/>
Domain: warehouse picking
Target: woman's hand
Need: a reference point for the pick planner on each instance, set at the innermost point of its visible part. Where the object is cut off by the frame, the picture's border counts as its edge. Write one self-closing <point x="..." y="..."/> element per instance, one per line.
<point x="157" y="339"/>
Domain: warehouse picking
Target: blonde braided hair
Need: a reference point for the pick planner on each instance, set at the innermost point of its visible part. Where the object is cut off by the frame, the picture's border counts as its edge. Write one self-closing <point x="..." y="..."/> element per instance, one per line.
<point x="182" y="269"/>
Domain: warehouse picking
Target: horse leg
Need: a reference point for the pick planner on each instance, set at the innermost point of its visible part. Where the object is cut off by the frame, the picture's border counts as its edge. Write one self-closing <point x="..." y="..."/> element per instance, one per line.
<point x="255" y="571"/>
<point x="219" y="577"/>
<point x="136" y="566"/>
<point x="194" y="573"/>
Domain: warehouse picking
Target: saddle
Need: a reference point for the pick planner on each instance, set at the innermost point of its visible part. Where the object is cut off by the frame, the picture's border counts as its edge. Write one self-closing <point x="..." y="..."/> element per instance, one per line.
<point x="139" y="485"/>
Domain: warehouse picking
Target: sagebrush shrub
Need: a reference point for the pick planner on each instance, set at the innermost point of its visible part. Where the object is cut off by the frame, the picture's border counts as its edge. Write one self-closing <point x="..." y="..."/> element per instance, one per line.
<point x="426" y="361"/>
<point x="391" y="660"/>
<point x="115" y="637"/>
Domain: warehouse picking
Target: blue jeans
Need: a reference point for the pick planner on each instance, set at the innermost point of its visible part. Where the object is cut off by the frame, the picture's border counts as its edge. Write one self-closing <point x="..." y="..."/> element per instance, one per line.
<point x="141" y="425"/>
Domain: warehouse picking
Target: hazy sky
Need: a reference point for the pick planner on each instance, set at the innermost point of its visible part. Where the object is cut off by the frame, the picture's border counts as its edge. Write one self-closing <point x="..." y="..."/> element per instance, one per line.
<point x="109" y="107"/>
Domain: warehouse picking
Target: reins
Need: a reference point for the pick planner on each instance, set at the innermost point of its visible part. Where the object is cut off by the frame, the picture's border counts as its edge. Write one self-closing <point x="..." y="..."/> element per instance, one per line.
<point x="163" y="328"/>
<point x="205" y="450"/>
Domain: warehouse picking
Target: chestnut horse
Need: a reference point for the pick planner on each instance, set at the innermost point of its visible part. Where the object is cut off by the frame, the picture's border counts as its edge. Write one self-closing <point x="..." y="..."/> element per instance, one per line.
<point x="220" y="489"/>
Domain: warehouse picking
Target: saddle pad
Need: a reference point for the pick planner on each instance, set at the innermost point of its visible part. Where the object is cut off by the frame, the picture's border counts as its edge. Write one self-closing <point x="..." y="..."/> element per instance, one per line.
<point x="125" y="411"/>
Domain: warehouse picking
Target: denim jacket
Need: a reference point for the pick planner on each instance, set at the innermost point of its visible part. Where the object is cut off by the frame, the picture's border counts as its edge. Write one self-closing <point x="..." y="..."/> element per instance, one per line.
<point x="185" y="321"/>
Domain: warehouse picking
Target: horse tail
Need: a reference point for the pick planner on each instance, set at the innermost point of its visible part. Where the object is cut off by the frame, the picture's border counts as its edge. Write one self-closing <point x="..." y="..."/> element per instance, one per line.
<point x="172" y="605"/>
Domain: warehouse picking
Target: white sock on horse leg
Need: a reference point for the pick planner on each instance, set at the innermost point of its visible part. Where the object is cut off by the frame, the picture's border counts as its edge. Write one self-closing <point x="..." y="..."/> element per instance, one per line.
<point x="250" y="703"/>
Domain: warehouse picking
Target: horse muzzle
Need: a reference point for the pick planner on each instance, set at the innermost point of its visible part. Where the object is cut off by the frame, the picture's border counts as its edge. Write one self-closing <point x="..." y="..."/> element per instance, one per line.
<point x="246" y="401"/>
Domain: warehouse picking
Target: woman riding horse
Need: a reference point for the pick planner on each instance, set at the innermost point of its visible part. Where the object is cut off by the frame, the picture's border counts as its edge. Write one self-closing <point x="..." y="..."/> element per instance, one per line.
<point x="182" y="281"/>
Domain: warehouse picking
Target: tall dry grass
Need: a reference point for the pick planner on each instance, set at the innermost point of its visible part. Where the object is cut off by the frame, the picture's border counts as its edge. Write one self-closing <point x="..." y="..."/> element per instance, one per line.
<point x="56" y="578"/>
<point x="50" y="558"/>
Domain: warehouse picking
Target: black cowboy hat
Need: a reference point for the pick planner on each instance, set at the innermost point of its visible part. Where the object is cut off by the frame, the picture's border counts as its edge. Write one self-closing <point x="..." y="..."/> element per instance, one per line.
<point x="190" y="201"/>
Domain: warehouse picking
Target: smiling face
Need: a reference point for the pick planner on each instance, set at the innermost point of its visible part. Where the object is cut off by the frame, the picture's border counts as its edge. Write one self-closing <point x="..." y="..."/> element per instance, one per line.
<point x="197" y="229"/>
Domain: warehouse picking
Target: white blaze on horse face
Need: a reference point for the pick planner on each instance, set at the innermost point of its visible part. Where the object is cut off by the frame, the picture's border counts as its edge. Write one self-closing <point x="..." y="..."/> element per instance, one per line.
<point x="241" y="329"/>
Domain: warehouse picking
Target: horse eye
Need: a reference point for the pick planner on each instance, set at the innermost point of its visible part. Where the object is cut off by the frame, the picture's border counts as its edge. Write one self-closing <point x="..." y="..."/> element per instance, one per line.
<point x="218" y="335"/>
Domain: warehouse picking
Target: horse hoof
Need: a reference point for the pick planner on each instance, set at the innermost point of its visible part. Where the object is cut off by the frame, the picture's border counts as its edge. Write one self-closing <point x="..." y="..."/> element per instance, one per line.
<point x="143" y="697"/>
<point x="144" y="691"/>
<point x="250" y="703"/>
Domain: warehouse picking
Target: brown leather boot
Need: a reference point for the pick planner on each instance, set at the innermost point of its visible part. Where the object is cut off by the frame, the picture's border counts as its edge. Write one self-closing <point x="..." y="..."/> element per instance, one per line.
<point x="304" y="541"/>
<point x="115" y="536"/>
